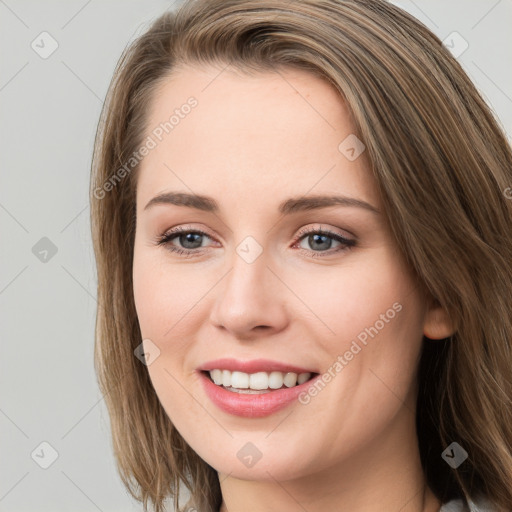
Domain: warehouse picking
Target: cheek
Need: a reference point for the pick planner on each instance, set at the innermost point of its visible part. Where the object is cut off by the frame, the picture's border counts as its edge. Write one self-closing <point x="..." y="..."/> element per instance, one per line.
<point x="165" y="295"/>
<point x="164" y="300"/>
<point x="347" y="300"/>
<point x="371" y="315"/>
<point x="170" y="311"/>
<point x="374" y="314"/>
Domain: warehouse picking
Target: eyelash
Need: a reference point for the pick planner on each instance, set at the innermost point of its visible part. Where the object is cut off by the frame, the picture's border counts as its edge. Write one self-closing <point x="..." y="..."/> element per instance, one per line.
<point x="167" y="237"/>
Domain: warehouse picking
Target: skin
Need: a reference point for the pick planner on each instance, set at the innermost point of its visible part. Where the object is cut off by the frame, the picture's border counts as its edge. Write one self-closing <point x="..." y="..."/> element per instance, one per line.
<point x="252" y="142"/>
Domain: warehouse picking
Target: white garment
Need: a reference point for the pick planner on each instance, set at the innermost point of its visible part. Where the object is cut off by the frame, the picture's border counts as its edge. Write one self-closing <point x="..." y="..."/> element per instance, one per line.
<point x="479" y="505"/>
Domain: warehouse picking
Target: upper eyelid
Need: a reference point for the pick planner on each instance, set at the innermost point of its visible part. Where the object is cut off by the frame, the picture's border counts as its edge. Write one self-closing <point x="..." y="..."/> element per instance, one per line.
<point x="327" y="230"/>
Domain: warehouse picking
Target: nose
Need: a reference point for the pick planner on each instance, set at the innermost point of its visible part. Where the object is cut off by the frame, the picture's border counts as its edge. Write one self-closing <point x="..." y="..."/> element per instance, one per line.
<point x="251" y="300"/>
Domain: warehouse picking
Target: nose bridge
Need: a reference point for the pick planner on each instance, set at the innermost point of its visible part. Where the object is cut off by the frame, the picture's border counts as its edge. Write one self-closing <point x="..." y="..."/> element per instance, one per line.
<point x="248" y="282"/>
<point x="248" y="277"/>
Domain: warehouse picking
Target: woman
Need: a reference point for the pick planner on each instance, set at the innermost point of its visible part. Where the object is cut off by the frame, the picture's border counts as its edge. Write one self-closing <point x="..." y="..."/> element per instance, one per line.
<point x="302" y="224"/>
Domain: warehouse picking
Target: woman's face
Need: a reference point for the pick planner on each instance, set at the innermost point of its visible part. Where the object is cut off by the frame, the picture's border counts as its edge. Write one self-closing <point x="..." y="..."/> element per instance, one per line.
<point x="262" y="284"/>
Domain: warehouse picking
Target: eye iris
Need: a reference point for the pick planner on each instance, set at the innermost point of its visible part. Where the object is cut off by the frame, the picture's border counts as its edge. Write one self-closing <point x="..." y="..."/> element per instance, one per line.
<point x="190" y="237"/>
<point x="313" y="239"/>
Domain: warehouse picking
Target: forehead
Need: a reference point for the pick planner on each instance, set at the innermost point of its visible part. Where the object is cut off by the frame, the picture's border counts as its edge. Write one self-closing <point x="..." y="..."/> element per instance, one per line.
<point x="221" y="132"/>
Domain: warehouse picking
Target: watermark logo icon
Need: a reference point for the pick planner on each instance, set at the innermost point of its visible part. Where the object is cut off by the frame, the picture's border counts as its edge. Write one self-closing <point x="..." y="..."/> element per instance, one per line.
<point x="351" y="147"/>
<point x="44" y="249"/>
<point x="249" y="249"/>
<point x="147" y="352"/>
<point x="249" y="455"/>
<point x="454" y="455"/>
<point x="456" y="44"/>
<point x="44" y="455"/>
<point x="44" y="45"/>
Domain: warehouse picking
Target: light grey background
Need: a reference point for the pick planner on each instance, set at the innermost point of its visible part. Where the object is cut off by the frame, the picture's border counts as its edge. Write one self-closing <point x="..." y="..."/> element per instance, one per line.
<point x="49" y="110"/>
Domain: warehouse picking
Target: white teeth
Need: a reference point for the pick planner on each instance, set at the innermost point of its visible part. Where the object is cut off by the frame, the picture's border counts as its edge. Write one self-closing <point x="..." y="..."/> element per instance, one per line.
<point x="275" y="380"/>
<point x="216" y="376"/>
<point x="290" y="379"/>
<point x="239" y="380"/>
<point x="257" y="381"/>
<point x="303" y="377"/>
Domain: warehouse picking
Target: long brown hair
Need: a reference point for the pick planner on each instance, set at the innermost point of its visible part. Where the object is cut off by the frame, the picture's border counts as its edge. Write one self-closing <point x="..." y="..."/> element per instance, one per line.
<point x="444" y="170"/>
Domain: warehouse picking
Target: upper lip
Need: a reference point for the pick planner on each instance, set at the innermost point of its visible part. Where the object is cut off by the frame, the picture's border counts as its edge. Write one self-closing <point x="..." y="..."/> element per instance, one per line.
<point x="252" y="366"/>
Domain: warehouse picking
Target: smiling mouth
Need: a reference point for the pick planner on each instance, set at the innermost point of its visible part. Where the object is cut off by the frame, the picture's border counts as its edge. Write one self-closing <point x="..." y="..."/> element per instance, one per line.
<point x="257" y="383"/>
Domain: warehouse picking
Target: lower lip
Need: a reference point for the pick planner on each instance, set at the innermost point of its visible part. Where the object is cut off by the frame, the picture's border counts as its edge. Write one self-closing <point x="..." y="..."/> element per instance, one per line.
<point x="252" y="406"/>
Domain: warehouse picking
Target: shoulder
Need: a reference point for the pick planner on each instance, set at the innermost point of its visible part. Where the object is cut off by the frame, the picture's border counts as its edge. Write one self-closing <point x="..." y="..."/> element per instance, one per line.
<point x="476" y="505"/>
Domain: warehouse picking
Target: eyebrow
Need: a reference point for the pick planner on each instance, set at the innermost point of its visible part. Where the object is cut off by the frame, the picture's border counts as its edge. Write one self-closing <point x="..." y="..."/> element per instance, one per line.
<point x="287" y="207"/>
